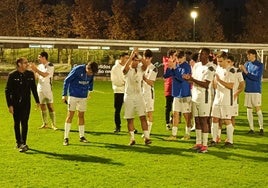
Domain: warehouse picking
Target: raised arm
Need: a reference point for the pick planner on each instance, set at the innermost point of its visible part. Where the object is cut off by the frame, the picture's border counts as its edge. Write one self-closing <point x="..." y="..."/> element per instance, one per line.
<point x="129" y="61"/>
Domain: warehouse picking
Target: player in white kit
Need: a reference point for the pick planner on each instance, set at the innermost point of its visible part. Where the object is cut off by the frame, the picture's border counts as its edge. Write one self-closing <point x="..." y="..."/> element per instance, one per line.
<point x="222" y="107"/>
<point x="133" y="98"/>
<point x="148" y="87"/>
<point x="45" y="71"/>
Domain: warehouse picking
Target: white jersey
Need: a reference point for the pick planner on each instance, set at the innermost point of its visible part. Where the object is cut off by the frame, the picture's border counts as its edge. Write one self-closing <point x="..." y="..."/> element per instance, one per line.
<point x="238" y="78"/>
<point x="223" y="95"/>
<point x="45" y="83"/>
<point x="151" y="74"/>
<point x="117" y="78"/>
<point x="212" y="89"/>
<point x="202" y="73"/>
<point x="148" y="91"/>
<point x="133" y="80"/>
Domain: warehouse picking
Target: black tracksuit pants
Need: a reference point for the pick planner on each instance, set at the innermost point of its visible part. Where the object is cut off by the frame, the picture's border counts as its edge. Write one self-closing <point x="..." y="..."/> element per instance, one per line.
<point x="21" y="117"/>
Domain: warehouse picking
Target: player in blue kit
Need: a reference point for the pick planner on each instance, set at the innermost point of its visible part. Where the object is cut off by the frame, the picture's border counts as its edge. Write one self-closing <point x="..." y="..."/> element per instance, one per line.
<point x="77" y="85"/>
<point x="181" y="91"/>
<point x="252" y="72"/>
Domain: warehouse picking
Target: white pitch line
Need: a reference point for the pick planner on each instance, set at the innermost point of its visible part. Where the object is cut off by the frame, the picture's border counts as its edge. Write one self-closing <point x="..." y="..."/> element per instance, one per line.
<point x="97" y="91"/>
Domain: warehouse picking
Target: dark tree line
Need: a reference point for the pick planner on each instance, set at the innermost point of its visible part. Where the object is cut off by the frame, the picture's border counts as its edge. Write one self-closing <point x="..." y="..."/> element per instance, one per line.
<point x="167" y="20"/>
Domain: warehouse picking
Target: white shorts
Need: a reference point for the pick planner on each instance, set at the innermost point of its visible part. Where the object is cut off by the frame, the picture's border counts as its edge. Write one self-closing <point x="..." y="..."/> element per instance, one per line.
<point x="134" y="104"/>
<point x="45" y="97"/>
<point x="149" y="102"/>
<point x="235" y="110"/>
<point x="252" y="100"/>
<point x="183" y="105"/>
<point x="222" y="111"/>
<point x="75" y="103"/>
<point x="201" y="109"/>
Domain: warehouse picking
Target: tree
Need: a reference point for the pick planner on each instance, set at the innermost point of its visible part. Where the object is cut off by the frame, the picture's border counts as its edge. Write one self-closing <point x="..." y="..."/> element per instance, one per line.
<point x="123" y="22"/>
<point x="178" y="26"/>
<point x="52" y="21"/>
<point x="208" y="28"/>
<point x="16" y="16"/>
<point x="114" y="19"/>
<point x="154" y="16"/>
<point x="255" y="21"/>
<point x="89" y="18"/>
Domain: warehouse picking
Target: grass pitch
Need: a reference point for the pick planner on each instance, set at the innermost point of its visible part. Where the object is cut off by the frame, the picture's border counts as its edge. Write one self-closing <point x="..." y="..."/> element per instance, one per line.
<point x="107" y="161"/>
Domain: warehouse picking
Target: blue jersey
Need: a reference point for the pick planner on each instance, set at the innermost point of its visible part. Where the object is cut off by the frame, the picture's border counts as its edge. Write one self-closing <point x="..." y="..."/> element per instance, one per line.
<point x="254" y="76"/>
<point x="180" y="87"/>
<point x="78" y="83"/>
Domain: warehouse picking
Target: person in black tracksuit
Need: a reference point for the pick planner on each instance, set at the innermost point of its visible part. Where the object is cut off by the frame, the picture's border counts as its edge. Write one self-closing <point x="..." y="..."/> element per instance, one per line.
<point x="18" y="89"/>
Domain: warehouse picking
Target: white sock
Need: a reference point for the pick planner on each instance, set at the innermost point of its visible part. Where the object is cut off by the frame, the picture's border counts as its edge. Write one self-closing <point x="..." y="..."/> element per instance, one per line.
<point x="250" y="118"/>
<point x="52" y="116"/>
<point x="44" y="117"/>
<point x="174" y="131"/>
<point x="81" y="130"/>
<point x="214" y="131"/>
<point x="187" y="130"/>
<point x="193" y="123"/>
<point x="146" y="134"/>
<point x="132" y="137"/>
<point x="260" y="119"/>
<point x="149" y="126"/>
<point x="198" y="133"/>
<point x="230" y="132"/>
<point x="219" y="133"/>
<point x="205" y="139"/>
<point x="67" y="128"/>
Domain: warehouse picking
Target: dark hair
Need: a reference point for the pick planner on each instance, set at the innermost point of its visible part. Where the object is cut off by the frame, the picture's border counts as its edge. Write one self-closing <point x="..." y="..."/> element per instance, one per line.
<point x="195" y="56"/>
<point x="93" y="66"/>
<point x="20" y="60"/>
<point x="44" y="54"/>
<point x="188" y="55"/>
<point x="231" y="58"/>
<point x="188" y="52"/>
<point x="123" y="54"/>
<point x="180" y="54"/>
<point x="222" y="54"/>
<point x="136" y="57"/>
<point x="148" y="53"/>
<point x="171" y="52"/>
<point x="252" y="51"/>
<point x="206" y="50"/>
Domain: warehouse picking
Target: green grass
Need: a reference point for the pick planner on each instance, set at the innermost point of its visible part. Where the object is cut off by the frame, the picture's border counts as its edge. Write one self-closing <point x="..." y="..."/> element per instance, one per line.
<point x="107" y="161"/>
